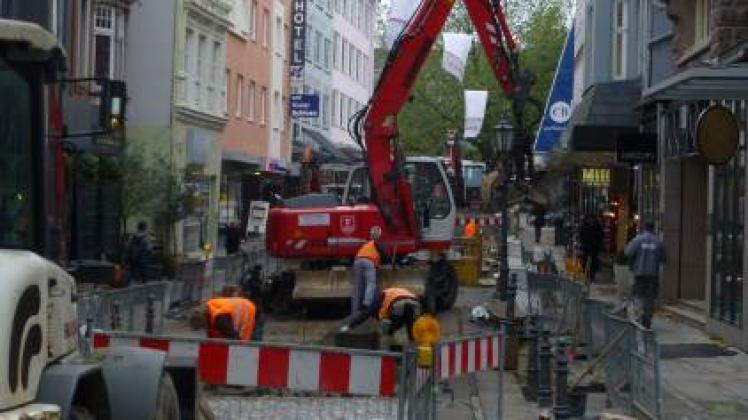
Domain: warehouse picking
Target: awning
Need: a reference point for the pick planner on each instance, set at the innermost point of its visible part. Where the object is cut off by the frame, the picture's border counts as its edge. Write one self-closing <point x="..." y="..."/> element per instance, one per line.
<point x="326" y="151"/>
<point x="702" y="83"/>
<point x="241" y="158"/>
<point x="606" y="112"/>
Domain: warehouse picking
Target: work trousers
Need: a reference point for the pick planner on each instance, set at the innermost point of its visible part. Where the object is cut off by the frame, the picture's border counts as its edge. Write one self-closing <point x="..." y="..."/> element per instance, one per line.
<point x="645" y="291"/>
<point x="364" y="291"/>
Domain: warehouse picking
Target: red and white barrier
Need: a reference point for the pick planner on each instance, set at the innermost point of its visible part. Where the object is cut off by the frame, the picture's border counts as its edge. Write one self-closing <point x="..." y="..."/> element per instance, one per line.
<point x="469" y="355"/>
<point x="300" y="369"/>
<point x="482" y="221"/>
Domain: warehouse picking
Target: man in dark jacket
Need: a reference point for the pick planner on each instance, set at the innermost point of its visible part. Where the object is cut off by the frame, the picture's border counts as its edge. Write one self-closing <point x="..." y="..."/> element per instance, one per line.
<point x="138" y="253"/>
<point x="646" y="253"/>
<point x="591" y="236"/>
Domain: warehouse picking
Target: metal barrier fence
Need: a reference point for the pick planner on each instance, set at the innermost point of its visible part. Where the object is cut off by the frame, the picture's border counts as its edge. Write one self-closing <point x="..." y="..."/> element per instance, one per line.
<point x="135" y="308"/>
<point x="555" y="302"/>
<point x="328" y="370"/>
<point x="593" y="333"/>
<point x="632" y="372"/>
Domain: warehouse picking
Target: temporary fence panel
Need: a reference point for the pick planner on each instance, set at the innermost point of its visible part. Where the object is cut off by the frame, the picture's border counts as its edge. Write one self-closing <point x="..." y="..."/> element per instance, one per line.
<point x="276" y="366"/>
<point x="617" y="363"/>
<point x="593" y="332"/>
<point x="127" y="308"/>
<point x="645" y="372"/>
<point x="419" y="389"/>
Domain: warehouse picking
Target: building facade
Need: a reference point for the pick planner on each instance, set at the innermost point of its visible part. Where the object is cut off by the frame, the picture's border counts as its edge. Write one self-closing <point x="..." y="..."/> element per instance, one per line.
<point x="352" y="64"/>
<point x="178" y="104"/>
<point x="701" y="206"/>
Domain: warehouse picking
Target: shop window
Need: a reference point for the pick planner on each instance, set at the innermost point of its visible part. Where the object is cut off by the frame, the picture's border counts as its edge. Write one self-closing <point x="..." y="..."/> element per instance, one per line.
<point x="104" y="26"/>
<point x="701" y="22"/>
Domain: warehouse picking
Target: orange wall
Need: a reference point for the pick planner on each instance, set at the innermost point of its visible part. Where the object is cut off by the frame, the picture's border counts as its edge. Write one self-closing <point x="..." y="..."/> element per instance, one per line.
<point x="251" y="60"/>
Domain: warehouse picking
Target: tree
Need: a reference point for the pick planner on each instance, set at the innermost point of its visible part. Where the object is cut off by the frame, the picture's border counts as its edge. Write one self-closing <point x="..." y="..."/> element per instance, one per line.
<point x="437" y="98"/>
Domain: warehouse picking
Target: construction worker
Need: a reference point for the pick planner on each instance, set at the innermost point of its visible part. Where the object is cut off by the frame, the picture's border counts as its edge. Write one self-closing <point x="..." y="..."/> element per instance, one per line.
<point x="471" y="229"/>
<point x="364" y="293"/>
<point x="227" y="317"/>
<point x="399" y="307"/>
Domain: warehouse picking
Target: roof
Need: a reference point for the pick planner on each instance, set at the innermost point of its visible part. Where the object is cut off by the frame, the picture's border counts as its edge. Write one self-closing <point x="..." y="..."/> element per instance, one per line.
<point x="702" y="83"/>
<point x="604" y="114"/>
<point x="31" y="34"/>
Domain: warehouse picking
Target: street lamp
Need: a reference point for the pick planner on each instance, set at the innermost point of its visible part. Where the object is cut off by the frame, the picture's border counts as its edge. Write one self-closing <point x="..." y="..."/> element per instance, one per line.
<point x="504" y="146"/>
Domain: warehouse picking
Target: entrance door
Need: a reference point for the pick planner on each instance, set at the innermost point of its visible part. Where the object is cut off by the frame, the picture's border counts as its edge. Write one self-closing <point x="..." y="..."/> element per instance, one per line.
<point x="694" y="230"/>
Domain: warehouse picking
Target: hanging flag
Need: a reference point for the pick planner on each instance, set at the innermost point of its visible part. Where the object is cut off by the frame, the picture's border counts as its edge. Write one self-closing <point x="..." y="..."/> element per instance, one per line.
<point x="475" y="109"/>
<point x="558" y="106"/>
<point x="456" y="50"/>
<point x="400" y="13"/>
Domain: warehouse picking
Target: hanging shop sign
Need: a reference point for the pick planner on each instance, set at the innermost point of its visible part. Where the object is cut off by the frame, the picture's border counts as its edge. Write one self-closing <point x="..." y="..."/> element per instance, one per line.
<point x="298" y="38"/>
<point x="717" y="135"/>
<point x="305" y="106"/>
<point x="596" y="177"/>
<point x="637" y="148"/>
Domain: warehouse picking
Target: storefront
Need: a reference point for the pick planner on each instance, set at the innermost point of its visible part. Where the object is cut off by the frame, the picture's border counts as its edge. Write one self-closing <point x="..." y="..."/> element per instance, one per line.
<point x="702" y="206"/>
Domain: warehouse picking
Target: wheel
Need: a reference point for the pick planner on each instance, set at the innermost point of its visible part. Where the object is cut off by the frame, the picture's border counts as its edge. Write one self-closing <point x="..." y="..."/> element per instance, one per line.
<point x="167" y="402"/>
<point x="443" y="285"/>
<point x="78" y="412"/>
<point x="281" y="299"/>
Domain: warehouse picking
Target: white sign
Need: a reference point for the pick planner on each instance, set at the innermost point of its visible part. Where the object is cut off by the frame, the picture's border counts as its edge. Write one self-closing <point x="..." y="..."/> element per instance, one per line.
<point x="560" y="112"/>
<point x="475" y="109"/>
<point x="456" y="50"/>
<point x="314" y="219"/>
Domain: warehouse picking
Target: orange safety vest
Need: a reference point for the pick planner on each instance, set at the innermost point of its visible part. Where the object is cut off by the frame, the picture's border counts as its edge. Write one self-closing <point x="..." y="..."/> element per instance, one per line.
<point x="369" y="251"/>
<point x="471" y="229"/>
<point x="242" y="311"/>
<point x="392" y="295"/>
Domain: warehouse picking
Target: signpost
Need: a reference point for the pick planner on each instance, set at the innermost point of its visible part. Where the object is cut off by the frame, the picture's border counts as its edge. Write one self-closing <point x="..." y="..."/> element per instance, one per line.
<point x="304" y="106"/>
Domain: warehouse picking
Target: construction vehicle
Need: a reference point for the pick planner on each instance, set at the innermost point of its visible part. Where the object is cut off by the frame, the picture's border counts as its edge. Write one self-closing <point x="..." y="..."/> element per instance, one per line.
<point x="317" y="237"/>
<point x="46" y="369"/>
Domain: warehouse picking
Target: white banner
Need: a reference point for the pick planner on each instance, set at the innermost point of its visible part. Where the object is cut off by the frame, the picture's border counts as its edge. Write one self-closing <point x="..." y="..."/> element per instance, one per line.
<point x="456" y="50"/>
<point x="475" y="109"/>
<point x="400" y="13"/>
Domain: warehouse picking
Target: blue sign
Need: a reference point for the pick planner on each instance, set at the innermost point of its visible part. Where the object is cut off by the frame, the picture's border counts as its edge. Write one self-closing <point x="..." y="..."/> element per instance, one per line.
<point x="304" y="106"/>
<point x="558" y="106"/>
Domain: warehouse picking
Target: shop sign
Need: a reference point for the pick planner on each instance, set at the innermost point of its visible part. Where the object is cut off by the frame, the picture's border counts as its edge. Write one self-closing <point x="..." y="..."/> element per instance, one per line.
<point x="298" y="38"/>
<point x="717" y="135"/>
<point x="596" y="177"/>
<point x="637" y="148"/>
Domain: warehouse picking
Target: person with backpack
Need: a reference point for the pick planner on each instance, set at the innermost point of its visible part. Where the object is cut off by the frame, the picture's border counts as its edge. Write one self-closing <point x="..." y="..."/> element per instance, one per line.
<point x="138" y="253"/>
<point x="645" y="253"/>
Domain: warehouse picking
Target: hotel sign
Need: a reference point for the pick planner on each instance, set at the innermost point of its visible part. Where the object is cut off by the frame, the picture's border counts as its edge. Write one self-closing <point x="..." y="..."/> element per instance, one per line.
<point x="298" y="37"/>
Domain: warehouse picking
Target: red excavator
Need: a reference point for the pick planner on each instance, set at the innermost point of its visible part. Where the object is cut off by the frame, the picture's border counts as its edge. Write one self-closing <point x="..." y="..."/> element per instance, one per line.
<point x="311" y="236"/>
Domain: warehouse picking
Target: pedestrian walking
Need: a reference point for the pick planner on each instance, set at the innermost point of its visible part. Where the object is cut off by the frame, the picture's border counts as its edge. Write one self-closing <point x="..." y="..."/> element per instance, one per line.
<point x="471" y="229"/>
<point x="539" y="221"/>
<point x="232" y="318"/>
<point x="138" y="253"/>
<point x="591" y="237"/>
<point x="364" y="290"/>
<point x="645" y="253"/>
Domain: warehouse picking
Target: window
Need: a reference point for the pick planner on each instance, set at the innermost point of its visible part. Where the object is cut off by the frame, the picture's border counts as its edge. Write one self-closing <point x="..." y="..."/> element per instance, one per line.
<point x="341" y="110"/>
<point x="263" y="105"/>
<point x="199" y="70"/>
<point x="278" y="40"/>
<point x="104" y="19"/>
<point x="318" y="45"/>
<point x="346" y="9"/>
<point x="225" y="92"/>
<point x="328" y="47"/>
<point x="354" y="11"/>
<point x="214" y="75"/>
<point x="335" y="50"/>
<point x="189" y="62"/>
<point x="309" y="44"/>
<point x="277" y="109"/>
<point x="429" y="190"/>
<point x="265" y="27"/>
<point x="239" y="95"/>
<point x="360" y="14"/>
<point x="702" y="25"/>
<point x="344" y="56"/>
<point x="253" y="20"/>
<point x="351" y="59"/>
<point x="358" y="66"/>
<point x="326" y="111"/>
<point x="335" y="99"/>
<point x="251" y="101"/>
<point x="337" y="5"/>
<point x="619" y="39"/>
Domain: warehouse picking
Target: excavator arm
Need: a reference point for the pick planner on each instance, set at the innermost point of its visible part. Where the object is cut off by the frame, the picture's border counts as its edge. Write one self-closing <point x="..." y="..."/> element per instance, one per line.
<point x="377" y="123"/>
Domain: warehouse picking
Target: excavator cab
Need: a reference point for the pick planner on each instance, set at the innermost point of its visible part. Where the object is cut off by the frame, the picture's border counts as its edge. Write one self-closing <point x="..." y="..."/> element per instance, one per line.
<point x="432" y="196"/>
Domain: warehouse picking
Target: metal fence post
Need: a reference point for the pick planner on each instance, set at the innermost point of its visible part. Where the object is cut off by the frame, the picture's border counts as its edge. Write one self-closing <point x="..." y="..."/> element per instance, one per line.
<point x="531" y="388"/>
<point x="502" y="358"/>
<point x="511" y="295"/>
<point x="115" y="321"/>
<point x="545" y="398"/>
<point x="403" y="389"/>
<point x="561" y="406"/>
<point x="149" y="313"/>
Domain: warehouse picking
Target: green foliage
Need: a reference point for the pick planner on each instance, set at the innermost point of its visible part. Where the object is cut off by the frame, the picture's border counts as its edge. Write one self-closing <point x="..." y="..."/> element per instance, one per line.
<point x="437" y="102"/>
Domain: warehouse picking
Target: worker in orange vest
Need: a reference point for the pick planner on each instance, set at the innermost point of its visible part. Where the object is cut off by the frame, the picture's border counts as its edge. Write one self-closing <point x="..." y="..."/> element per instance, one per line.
<point x="471" y="229"/>
<point x="227" y="317"/>
<point x="399" y="307"/>
<point x="364" y="290"/>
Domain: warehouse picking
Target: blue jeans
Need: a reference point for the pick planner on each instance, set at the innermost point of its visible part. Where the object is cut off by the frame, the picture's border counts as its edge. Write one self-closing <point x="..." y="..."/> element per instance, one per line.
<point x="364" y="293"/>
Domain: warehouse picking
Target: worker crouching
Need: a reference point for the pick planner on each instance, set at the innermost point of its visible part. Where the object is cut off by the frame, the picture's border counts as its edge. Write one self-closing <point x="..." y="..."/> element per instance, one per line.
<point x="399" y="307"/>
<point x="232" y="318"/>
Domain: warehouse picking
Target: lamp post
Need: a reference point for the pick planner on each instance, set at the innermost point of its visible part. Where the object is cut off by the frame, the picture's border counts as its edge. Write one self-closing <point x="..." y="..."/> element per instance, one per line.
<point x="503" y="148"/>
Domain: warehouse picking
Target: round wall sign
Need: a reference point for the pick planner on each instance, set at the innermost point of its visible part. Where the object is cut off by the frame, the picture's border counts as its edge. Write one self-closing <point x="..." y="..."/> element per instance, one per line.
<point x="717" y="135"/>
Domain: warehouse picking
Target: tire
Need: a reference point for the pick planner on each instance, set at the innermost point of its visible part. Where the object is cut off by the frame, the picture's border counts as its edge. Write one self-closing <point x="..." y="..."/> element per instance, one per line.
<point x="78" y="412"/>
<point x="443" y="282"/>
<point x="167" y="400"/>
